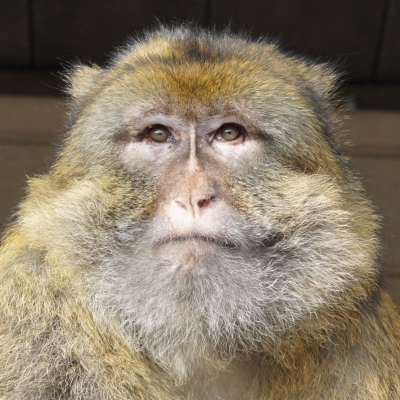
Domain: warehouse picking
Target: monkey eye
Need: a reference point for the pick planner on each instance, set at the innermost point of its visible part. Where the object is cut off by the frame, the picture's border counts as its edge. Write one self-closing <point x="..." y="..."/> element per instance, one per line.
<point x="158" y="133"/>
<point x="229" y="132"/>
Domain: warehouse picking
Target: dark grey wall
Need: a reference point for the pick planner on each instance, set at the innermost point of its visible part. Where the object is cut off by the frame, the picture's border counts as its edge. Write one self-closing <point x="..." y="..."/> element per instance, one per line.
<point x="15" y="33"/>
<point x="362" y="35"/>
<point x="343" y="30"/>
<point x="389" y="57"/>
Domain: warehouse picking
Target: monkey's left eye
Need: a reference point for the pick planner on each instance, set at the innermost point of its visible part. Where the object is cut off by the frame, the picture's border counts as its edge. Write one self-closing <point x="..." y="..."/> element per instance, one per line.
<point x="158" y="133"/>
<point x="230" y="132"/>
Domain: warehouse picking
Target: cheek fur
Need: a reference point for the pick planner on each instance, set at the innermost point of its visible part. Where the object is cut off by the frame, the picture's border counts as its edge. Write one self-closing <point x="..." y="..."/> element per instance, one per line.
<point x="244" y="296"/>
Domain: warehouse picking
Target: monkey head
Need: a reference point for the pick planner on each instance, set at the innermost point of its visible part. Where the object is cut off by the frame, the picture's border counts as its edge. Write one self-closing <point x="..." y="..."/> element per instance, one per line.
<point x="202" y="197"/>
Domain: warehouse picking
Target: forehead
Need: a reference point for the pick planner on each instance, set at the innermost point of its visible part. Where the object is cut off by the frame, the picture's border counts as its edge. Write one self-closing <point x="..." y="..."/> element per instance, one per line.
<point x="198" y="75"/>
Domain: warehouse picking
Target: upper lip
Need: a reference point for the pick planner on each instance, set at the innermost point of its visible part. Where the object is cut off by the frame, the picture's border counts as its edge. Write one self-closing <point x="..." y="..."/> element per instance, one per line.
<point x="195" y="236"/>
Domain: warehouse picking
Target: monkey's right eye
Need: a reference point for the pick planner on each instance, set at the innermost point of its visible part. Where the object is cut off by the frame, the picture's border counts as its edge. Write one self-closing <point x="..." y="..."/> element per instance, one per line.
<point x="158" y="133"/>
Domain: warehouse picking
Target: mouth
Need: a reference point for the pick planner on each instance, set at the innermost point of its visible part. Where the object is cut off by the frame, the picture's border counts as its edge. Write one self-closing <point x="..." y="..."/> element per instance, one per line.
<point x="267" y="242"/>
<point x="193" y="253"/>
<point x="223" y="242"/>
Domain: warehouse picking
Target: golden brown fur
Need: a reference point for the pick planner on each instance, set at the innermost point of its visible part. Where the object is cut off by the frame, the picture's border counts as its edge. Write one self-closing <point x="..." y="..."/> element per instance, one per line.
<point x="288" y="307"/>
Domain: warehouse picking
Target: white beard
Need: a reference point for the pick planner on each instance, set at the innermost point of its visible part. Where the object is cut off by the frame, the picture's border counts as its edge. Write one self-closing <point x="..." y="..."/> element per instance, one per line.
<point x="181" y="314"/>
<point x="235" y="298"/>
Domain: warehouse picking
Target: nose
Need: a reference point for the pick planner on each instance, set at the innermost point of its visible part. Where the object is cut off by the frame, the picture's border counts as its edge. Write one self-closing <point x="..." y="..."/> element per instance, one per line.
<point x="195" y="202"/>
<point x="194" y="192"/>
<point x="193" y="189"/>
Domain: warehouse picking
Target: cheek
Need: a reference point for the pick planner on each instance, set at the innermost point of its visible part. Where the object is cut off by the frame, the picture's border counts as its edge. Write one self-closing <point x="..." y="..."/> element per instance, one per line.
<point x="136" y="198"/>
<point x="244" y="177"/>
<point x="139" y="155"/>
<point x="260" y="189"/>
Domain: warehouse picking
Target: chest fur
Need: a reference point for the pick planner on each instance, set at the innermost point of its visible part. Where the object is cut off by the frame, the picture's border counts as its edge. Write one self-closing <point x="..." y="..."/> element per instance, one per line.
<point x="237" y="381"/>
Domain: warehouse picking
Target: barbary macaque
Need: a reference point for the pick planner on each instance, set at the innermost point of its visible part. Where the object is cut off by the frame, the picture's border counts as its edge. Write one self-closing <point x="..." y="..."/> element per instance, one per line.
<point x="200" y="236"/>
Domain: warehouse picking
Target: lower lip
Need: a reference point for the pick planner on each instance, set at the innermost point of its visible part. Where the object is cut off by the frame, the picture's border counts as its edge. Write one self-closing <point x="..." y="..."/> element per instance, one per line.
<point x="189" y="243"/>
<point x="186" y="250"/>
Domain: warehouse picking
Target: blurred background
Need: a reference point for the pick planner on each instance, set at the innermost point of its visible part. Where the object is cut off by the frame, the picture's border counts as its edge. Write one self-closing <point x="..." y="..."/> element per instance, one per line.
<point x="361" y="37"/>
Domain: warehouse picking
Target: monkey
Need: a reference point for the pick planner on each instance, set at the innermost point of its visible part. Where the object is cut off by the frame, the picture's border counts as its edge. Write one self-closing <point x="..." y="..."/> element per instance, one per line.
<point x="200" y="236"/>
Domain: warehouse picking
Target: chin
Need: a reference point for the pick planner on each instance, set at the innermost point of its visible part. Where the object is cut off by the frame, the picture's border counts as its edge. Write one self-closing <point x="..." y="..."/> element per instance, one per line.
<point x="188" y="256"/>
<point x="185" y="291"/>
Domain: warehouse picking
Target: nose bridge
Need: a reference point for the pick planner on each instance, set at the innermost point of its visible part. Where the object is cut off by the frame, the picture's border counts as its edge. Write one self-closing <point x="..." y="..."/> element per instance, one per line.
<point x="194" y="190"/>
<point x="199" y="185"/>
<point x="194" y="164"/>
<point x="195" y="174"/>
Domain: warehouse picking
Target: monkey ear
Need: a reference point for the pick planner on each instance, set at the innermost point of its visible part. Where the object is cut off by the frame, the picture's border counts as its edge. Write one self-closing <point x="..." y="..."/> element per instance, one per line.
<point x="324" y="80"/>
<point x="80" y="79"/>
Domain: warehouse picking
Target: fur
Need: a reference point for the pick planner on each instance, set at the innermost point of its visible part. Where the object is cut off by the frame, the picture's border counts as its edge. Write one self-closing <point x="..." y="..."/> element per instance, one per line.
<point x="286" y="306"/>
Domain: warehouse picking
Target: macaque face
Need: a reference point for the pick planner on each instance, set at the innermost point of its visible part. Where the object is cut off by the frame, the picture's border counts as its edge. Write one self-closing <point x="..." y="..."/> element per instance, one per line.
<point x="191" y="222"/>
<point x="215" y="212"/>
<point x="198" y="263"/>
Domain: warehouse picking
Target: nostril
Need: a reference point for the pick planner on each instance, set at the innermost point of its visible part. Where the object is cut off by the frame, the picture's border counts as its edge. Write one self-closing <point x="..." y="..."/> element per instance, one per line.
<point x="203" y="203"/>
<point x="180" y="204"/>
